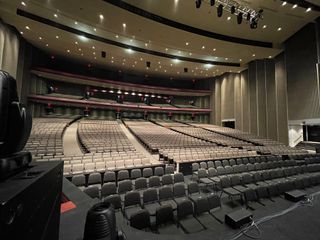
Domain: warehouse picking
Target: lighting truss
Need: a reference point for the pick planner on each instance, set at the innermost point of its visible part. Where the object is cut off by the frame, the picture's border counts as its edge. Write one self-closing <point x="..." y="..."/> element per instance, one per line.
<point x="249" y="14"/>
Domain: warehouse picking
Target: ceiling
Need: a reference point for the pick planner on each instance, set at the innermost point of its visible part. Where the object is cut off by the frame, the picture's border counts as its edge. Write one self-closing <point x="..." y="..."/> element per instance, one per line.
<point x="130" y="39"/>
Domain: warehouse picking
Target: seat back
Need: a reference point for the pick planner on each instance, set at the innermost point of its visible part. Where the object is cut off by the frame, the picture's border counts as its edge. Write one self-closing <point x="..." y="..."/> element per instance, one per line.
<point x="164" y="214"/>
<point x="140" y="220"/>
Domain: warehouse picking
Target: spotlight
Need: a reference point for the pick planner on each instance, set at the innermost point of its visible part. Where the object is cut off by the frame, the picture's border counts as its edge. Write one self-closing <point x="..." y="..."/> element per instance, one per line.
<point x="220" y="10"/>
<point x="239" y="18"/>
<point x="212" y="2"/>
<point x="248" y="16"/>
<point x="233" y="9"/>
<point x="253" y="24"/>
<point x="198" y="3"/>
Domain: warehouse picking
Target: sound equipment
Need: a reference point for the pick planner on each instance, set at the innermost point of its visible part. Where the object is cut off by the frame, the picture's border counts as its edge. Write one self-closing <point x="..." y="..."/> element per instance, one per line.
<point x="238" y="218"/>
<point x="30" y="202"/>
<point x="294" y="195"/>
<point x="103" y="54"/>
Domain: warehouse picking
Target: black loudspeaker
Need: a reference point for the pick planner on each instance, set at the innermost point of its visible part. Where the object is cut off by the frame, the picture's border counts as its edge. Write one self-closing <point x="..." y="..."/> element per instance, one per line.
<point x="294" y="195"/>
<point x="185" y="70"/>
<point x="148" y="64"/>
<point x="30" y="202"/>
<point x="103" y="54"/>
<point x="238" y="218"/>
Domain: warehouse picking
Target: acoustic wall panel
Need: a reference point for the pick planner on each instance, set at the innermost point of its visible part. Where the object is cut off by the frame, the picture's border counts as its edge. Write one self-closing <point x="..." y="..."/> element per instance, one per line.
<point x="271" y="100"/>
<point x="218" y="101"/>
<point x="227" y="96"/>
<point x="237" y="101"/>
<point x="245" y="102"/>
<point x="253" y="97"/>
<point x="261" y="98"/>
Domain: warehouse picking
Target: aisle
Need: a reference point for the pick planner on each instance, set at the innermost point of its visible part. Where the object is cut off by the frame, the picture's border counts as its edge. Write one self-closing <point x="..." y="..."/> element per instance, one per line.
<point x="138" y="146"/>
<point x="70" y="141"/>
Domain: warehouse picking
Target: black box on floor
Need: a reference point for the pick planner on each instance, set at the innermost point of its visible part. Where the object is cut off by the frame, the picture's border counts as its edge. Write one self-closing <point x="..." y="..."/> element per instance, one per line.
<point x="294" y="195"/>
<point x="30" y="202"/>
<point x="238" y="218"/>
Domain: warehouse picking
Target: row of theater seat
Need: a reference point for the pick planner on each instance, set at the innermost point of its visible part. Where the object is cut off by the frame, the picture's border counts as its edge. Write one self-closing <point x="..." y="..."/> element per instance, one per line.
<point x="237" y="183"/>
<point x="191" y="217"/>
<point x="111" y="176"/>
<point x="102" y="166"/>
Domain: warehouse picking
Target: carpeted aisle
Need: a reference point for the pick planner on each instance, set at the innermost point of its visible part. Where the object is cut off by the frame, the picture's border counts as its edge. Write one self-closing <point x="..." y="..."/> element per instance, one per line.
<point x="70" y="141"/>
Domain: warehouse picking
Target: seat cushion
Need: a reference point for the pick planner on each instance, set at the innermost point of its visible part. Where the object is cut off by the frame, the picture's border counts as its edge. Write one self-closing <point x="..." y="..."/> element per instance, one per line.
<point x="190" y="225"/>
<point x="231" y="191"/>
<point x="170" y="202"/>
<point x="207" y="220"/>
<point x="151" y="207"/>
<point x="129" y="211"/>
<point x="170" y="228"/>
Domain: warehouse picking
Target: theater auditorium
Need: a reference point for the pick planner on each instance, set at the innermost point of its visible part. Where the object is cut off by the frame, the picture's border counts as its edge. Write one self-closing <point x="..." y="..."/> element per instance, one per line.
<point x="149" y="119"/>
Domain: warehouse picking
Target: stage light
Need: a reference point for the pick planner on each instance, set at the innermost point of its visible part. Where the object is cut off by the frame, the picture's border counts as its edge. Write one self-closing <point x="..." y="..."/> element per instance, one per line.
<point x="233" y="9"/>
<point x="248" y="16"/>
<point x="198" y="3"/>
<point x="253" y="24"/>
<point x="239" y="18"/>
<point x="220" y="10"/>
<point x="212" y="2"/>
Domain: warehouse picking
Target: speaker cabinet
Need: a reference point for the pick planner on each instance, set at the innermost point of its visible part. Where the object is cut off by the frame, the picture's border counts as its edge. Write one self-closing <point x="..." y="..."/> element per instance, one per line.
<point x="30" y="202"/>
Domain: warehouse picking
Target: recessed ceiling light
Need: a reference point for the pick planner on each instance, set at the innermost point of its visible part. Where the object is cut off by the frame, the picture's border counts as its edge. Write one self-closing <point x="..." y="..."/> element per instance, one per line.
<point x="75" y="22"/>
<point x="284" y="3"/>
<point x="226" y="58"/>
<point x="146" y="44"/>
<point x="95" y="57"/>
<point x="229" y="18"/>
<point x="190" y="54"/>
<point x="117" y="36"/>
<point x="279" y="29"/>
<point x="179" y="52"/>
<point x="270" y="56"/>
<point x="131" y="40"/>
<point x="124" y="25"/>
<point x="47" y="45"/>
<point x="112" y="61"/>
<point x="81" y="54"/>
<point x="203" y="47"/>
<point x="187" y="43"/>
<point x="94" y="53"/>
<point x="94" y="29"/>
<point x="40" y="38"/>
<point x="308" y="9"/>
<point x="129" y="50"/>
<point x="55" y="15"/>
<point x="79" y="49"/>
<point x="141" y="59"/>
<point x="27" y="27"/>
<point x="23" y="4"/>
<point x="101" y="17"/>
<point x="133" y="66"/>
<point x="295" y="6"/>
<point x="264" y="26"/>
<point x="240" y="60"/>
<point x="253" y="55"/>
<point x="57" y="37"/>
<point x="93" y="47"/>
<point x="21" y="33"/>
<point x="68" y="50"/>
<point x="76" y="42"/>
<point x="214" y="49"/>
<point x="167" y="49"/>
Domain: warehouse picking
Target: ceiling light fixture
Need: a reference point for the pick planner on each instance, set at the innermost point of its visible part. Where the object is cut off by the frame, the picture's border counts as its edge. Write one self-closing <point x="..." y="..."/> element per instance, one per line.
<point x="101" y="17"/>
<point x="27" y="27"/>
<point x="76" y="23"/>
<point x="295" y="6"/>
<point x="264" y="26"/>
<point x="284" y="3"/>
<point x="279" y="29"/>
<point x="94" y="29"/>
<point x="55" y="15"/>
<point x="229" y="18"/>
<point x="40" y="38"/>
<point x="124" y="25"/>
<point x="187" y="43"/>
<point x="57" y="37"/>
<point x="23" y="4"/>
<point x="308" y="9"/>
<point x="21" y="33"/>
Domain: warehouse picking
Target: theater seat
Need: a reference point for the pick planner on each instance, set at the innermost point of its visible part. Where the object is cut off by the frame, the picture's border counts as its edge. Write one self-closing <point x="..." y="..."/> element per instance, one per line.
<point x="185" y="216"/>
